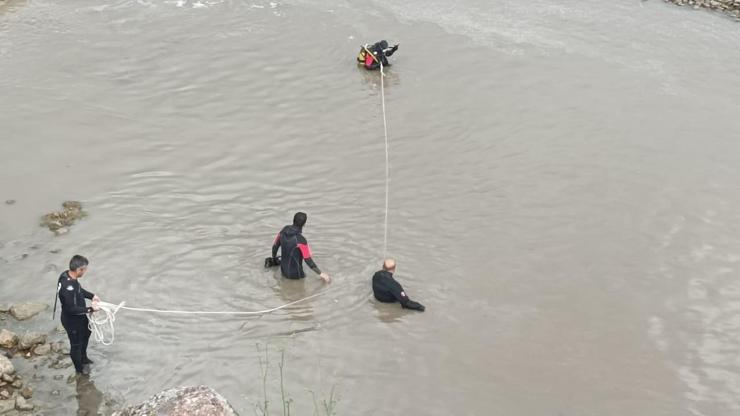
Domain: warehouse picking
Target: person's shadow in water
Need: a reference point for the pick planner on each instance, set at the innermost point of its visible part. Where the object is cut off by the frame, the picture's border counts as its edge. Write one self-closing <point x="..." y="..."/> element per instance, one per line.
<point x="89" y="398"/>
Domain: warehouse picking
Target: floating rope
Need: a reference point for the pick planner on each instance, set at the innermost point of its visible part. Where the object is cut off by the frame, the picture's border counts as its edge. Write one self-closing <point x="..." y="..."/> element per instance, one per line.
<point x="101" y="321"/>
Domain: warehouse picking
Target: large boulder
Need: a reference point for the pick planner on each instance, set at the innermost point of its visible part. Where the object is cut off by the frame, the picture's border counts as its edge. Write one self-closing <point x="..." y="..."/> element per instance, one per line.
<point x="6" y="367"/>
<point x="8" y="339"/>
<point x="182" y="401"/>
<point x="30" y="340"/>
<point x="23" y="311"/>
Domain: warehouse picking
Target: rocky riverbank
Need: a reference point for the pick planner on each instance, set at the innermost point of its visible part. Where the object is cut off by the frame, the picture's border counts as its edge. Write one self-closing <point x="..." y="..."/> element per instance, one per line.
<point x="37" y="377"/>
<point x="730" y="7"/>
<point x="36" y="373"/>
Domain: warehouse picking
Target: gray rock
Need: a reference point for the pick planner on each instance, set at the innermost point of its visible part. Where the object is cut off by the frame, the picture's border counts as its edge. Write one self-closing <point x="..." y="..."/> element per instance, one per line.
<point x="61" y="231"/>
<point x="10" y="201"/>
<point x="18" y="383"/>
<point x="4" y="395"/>
<point x="23" y="311"/>
<point x="58" y="377"/>
<point x="22" y="405"/>
<point x="42" y="349"/>
<point x="31" y="339"/>
<point x="56" y="393"/>
<point x="7" y="378"/>
<point x="194" y="401"/>
<point x="8" y="339"/>
<point x="4" y="307"/>
<point x="26" y="392"/>
<point x="6" y="406"/>
<point x="6" y="367"/>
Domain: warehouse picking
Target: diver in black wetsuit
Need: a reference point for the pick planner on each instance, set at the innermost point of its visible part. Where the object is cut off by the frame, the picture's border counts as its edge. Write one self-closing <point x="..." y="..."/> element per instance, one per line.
<point x="379" y="52"/>
<point x="386" y="289"/>
<point x="74" y="311"/>
<point x="294" y="250"/>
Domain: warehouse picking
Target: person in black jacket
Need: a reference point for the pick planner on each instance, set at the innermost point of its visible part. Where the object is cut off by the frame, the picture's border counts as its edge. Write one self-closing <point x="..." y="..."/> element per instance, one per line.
<point x="74" y="311"/>
<point x="294" y="250"/>
<point x="371" y="56"/>
<point x="386" y="289"/>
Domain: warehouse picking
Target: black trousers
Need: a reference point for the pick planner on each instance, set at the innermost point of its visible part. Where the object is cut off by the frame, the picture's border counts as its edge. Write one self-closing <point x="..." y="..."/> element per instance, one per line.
<point x="79" y="335"/>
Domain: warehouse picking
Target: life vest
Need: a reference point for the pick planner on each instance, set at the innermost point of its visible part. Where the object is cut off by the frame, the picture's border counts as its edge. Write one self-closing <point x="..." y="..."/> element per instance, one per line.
<point x="365" y="58"/>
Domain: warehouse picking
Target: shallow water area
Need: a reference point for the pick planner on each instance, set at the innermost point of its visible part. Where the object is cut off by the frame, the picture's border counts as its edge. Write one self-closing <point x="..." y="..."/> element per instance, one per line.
<point x="563" y="198"/>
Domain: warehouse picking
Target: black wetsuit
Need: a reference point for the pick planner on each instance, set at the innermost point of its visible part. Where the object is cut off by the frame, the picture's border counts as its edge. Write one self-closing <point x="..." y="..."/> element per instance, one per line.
<point x="74" y="318"/>
<point x="294" y="250"/>
<point x="381" y="51"/>
<point x="387" y="289"/>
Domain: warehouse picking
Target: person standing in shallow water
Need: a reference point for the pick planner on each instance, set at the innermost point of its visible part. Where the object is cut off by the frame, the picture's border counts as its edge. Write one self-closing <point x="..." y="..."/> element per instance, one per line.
<point x="294" y="250"/>
<point x="387" y="290"/>
<point x="74" y="312"/>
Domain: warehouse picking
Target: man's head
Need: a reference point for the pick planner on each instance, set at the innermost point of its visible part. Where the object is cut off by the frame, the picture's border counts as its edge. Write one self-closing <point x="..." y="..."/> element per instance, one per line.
<point x="78" y="266"/>
<point x="299" y="219"/>
<point x="389" y="265"/>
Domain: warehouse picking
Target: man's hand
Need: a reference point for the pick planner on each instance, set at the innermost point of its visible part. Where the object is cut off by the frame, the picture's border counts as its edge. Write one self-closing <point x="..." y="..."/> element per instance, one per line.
<point x="95" y="298"/>
<point x="95" y="305"/>
<point x="325" y="277"/>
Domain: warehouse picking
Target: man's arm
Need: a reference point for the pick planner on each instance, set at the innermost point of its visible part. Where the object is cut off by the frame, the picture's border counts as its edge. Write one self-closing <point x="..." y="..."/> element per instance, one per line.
<point x="87" y="294"/>
<point x="275" y="245"/>
<point x="68" y="302"/>
<point x="403" y="298"/>
<point x="306" y="254"/>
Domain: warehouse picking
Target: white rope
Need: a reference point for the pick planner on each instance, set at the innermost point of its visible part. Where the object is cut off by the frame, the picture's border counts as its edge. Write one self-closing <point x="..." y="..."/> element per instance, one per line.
<point x="101" y="322"/>
<point x="387" y="161"/>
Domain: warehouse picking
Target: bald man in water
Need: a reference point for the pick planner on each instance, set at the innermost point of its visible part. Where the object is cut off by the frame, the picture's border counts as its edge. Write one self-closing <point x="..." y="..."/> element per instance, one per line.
<point x="386" y="289"/>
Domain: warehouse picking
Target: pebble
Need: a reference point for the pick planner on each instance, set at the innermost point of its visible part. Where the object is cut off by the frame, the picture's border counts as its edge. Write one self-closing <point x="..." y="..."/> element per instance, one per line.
<point x="58" y="377"/>
<point x="27" y="392"/>
<point x="10" y="201"/>
<point x="4" y="394"/>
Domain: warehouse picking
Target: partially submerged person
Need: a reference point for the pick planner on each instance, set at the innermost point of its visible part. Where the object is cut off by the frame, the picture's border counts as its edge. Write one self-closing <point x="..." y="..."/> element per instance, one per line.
<point x="386" y="289"/>
<point x="371" y="56"/>
<point x="294" y="250"/>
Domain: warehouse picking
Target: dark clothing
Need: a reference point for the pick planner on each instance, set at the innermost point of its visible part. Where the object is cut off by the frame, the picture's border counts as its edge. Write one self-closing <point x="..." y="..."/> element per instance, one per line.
<point x="386" y="289"/>
<point x="380" y="51"/>
<point x="74" y="317"/>
<point x="294" y="250"/>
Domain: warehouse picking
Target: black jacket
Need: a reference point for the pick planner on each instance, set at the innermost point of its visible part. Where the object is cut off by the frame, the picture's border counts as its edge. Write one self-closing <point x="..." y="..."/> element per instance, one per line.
<point x="294" y="250"/>
<point x="387" y="289"/>
<point x="72" y="296"/>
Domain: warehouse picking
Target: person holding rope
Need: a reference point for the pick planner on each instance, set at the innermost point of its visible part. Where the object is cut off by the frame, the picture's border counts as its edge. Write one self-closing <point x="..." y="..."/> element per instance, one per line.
<point x="294" y="250"/>
<point x="74" y="312"/>
<point x="371" y="56"/>
<point x="387" y="290"/>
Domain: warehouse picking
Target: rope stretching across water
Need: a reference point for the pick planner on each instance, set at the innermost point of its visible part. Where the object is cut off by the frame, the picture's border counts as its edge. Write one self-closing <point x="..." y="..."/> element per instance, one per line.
<point x="101" y="322"/>
<point x="106" y="316"/>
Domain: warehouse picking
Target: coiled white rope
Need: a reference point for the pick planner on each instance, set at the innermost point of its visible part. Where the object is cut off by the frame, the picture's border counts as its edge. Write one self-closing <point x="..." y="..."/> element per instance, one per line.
<point x="101" y="321"/>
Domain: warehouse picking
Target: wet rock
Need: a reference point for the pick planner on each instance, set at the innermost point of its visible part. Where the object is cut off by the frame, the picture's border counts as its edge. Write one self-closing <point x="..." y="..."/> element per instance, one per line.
<point x="6" y="406"/>
<point x="26" y="392"/>
<point x="6" y="367"/>
<point x="30" y="340"/>
<point x="62" y="220"/>
<point x="8" y="339"/>
<point x="43" y="349"/>
<point x="22" y="405"/>
<point x="199" y="400"/>
<point x="23" y="311"/>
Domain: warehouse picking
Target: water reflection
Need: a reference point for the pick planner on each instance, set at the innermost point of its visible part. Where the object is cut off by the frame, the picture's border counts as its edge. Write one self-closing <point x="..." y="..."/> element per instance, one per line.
<point x="89" y="398"/>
